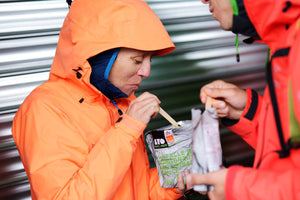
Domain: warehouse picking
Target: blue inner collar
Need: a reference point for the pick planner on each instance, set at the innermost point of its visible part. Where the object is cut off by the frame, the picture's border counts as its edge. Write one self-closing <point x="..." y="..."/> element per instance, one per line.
<point x="101" y="65"/>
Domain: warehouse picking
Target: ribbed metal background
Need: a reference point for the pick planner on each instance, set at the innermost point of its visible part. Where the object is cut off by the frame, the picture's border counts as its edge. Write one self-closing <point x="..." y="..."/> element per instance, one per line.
<point x="28" y="36"/>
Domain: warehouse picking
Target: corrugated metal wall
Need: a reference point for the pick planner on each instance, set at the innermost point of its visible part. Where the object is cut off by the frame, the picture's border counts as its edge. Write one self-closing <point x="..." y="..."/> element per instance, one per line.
<point x="28" y="36"/>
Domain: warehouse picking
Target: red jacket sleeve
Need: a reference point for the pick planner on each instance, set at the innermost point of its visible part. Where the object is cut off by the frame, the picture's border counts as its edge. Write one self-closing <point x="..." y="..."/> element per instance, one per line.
<point x="247" y="125"/>
<point x="249" y="183"/>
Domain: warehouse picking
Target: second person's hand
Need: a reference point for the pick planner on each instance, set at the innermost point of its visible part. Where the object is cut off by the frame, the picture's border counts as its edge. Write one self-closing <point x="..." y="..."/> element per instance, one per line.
<point x="227" y="98"/>
<point x="215" y="179"/>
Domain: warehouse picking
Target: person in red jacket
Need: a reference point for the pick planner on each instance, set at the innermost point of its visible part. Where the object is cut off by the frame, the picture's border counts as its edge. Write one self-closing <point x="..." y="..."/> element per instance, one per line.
<point x="80" y="133"/>
<point x="269" y="123"/>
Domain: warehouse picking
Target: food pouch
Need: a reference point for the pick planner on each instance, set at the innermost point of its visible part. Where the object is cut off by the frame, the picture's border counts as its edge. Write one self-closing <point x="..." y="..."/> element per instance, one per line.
<point x="171" y="149"/>
<point x="206" y="145"/>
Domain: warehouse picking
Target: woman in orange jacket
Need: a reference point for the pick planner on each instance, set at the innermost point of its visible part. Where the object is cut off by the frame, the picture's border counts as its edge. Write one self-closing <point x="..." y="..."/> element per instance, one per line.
<point x="80" y="134"/>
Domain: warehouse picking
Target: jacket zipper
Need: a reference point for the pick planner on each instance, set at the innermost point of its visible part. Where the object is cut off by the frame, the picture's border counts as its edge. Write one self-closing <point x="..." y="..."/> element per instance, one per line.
<point x="263" y="139"/>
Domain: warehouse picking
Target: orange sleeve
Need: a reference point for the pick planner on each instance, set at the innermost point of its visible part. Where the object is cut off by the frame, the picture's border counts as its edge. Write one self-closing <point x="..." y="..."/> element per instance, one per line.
<point x="59" y="162"/>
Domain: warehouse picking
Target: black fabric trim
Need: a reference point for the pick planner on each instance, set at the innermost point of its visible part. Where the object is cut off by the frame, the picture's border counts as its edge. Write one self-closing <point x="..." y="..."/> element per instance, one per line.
<point x="241" y="23"/>
<point x="254" y="103"/>
<point x="243" y="26"/>
<point x="228" y="122"/>
<point x="249" y="40"/>
<point x="281" y="52"/>
<point x="249" y="115"/>
<point x="284" y="152"/>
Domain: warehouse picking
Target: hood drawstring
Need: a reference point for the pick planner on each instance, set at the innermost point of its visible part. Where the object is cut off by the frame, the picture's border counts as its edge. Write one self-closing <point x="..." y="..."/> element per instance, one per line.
<point x="235" y="9"/>
<point x="119" y="110"/>
<point x="237" y="47"/>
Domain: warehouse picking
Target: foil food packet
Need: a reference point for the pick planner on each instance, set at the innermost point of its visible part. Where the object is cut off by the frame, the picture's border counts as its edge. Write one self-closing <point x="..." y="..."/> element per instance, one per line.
<point x="194" y="145"/>
<point x="171" y="148"/>
<point x="206" y="145"/>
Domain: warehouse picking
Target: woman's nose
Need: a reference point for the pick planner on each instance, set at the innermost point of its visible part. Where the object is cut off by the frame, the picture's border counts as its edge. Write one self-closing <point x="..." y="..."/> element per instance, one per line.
<point x="145" y="69"/>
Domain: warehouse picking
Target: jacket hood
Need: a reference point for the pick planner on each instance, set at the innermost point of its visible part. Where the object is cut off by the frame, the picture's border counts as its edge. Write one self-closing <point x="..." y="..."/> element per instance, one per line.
<point x="94" y="26"/>
<point x="272" y="18"/>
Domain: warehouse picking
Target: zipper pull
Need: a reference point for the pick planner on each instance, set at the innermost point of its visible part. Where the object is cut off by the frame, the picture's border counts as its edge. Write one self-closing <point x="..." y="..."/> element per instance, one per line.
<point x="119" y="110"/>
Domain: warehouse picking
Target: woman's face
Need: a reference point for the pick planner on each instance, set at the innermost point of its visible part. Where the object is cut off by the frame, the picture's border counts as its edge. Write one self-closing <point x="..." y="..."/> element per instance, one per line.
<point x="129" y="68"/>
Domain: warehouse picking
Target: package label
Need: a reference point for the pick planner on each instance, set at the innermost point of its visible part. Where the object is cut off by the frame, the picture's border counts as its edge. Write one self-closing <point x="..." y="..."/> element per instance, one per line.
<point x="171" y="149"/>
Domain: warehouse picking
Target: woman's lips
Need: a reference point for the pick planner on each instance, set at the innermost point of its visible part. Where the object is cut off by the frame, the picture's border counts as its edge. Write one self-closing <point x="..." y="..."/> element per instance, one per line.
<point x="135" y="86"/>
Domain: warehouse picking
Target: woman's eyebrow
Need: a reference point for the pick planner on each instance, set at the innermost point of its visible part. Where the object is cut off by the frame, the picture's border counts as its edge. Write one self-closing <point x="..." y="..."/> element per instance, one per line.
<point x="132" y="57"/>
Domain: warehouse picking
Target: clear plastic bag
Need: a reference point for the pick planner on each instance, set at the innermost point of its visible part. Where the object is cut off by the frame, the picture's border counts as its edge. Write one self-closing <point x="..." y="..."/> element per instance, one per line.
<point x="206" y="145"/>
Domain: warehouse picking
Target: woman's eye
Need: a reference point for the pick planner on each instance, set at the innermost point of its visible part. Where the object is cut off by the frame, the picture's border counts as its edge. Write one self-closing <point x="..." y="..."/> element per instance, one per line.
<point x="138" y="62"/>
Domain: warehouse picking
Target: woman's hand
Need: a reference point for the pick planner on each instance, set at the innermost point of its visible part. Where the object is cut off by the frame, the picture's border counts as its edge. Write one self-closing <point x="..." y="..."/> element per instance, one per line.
<point x="181" y="186"/>
<point x="144" y="107"/>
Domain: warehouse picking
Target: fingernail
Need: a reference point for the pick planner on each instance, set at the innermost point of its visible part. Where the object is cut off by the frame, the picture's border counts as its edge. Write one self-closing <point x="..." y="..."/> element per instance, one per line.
<point x="202" y="99"/>
<point x="225" y="110"/>
<point x="179" y="175"/>
<point x="221" y="105"/>
<point x="188" y="178"/>
<point x="208" y="91"/>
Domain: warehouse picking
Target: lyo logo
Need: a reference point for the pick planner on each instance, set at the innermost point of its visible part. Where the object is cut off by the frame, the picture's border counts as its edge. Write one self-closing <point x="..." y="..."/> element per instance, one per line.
<point x="159" y="141"/>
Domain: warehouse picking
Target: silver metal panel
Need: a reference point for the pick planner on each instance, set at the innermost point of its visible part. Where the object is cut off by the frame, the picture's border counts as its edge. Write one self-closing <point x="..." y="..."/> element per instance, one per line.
<point x="28" y="37"/>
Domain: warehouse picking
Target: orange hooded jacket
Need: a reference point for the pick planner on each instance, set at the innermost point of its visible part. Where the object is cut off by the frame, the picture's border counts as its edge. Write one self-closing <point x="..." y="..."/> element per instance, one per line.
<point x="66" y="130"/>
